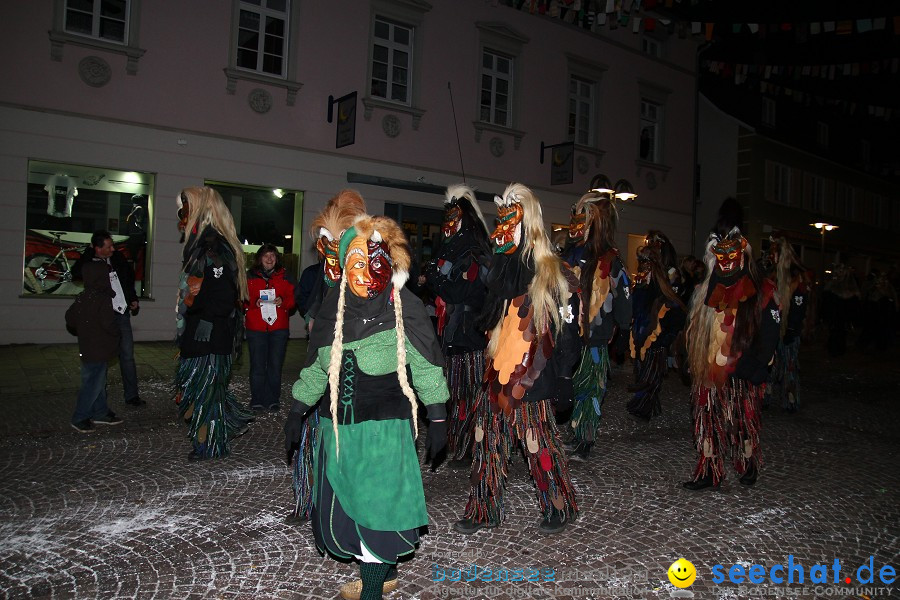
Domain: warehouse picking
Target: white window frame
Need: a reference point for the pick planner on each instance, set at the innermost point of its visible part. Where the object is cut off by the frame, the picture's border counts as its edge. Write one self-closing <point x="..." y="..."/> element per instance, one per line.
<point x="409" y="14"/>
<point x="392" y="47"/>
<point x="97" y="19"/>
<point x="582" y="107"/>
<point x="60" y="36"/>
<point x="264" y="13"/>
<point x="651" y="95"/>
<point x="499" y="39"/>
<point x="651" y="47"/>
<point x="589" y="73"/>
<point x="496" y="76"/>
<point x="288" y="78"/>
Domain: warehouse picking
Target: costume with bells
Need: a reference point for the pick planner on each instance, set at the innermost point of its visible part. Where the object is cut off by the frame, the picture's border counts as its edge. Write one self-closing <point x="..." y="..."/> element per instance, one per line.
<point x="607" y="306"/>
<point x="372" y="344"/>
<point x="732" y="332"/>
<point x="457" y="280"/>
<point x="659" y="316"/>
<point x="209" y="322"/>
<point x="792" y="294"/>
<point x="338" y="215"/>
<point x="531" y="309"/>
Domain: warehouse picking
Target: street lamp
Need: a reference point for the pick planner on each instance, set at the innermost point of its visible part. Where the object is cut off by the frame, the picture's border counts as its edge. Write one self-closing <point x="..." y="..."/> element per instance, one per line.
<point x="823" y="227"/>
<point x="622" y="190"/>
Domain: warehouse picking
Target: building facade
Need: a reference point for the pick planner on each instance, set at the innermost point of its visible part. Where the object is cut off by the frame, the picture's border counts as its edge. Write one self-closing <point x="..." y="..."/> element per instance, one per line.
<point x="114" y="107"/>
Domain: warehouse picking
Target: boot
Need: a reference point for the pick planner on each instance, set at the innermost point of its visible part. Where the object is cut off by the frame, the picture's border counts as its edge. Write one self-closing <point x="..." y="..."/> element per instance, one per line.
<point x="470" y="526"/>
<point x="750" y="475"/>
<point x="555" y="523"/>
<point x="701" y="484"/>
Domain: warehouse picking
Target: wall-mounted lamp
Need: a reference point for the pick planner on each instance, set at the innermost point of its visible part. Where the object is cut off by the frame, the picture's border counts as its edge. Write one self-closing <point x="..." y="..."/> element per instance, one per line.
<point x="278" y="192"/>
<point x="623" y="190"/>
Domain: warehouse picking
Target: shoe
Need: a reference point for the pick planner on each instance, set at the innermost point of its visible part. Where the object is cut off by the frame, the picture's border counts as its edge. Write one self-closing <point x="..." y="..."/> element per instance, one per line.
<point x="257" y="408"/>
<point x="639" y="418"/>
<point x="750" y="475"/>
<point x="241" y="431"/>
<point x="555" y="523"/>
<point x="136" y="401"/>
<point x="83" y="426"/>
<point x="109" y="419"/>
<point x="580" y="455"/>
<point x="700" y="484"/>
<point x="295" y="519"/>
<point x="470" y="526"/>
<point x="353" y="590"/>
<point x="275" y="408"/>
<point x="193" y="456"/>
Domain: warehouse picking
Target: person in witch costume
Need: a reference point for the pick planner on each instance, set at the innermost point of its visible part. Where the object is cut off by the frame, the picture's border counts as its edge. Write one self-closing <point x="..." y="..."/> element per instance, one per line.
<point x="732" y="332"/>
<point x="338" y="215"/>
<point x="457" y="280"/>
<point x="372" y="351"/>
<point x="659" y="316"/>
<point x="209" y="322"/>
<point x="534" y="345"/>
<point x="792" y="294"/>
<point x="607" y="307"/>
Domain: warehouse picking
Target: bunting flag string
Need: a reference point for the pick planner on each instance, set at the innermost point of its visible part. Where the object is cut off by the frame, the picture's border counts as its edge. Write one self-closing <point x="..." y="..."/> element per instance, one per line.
<point x="595" y="14"/>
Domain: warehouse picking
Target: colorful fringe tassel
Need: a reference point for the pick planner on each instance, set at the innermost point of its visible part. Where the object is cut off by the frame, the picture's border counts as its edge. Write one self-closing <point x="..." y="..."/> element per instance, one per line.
<point x="464" y="374"/>
<point x="784" y="378"/>
<point x="303" y="467"/>
<point x="648" y="377"/>
<point x="590" y="390"/>
<point x="726" y="419"/>
<point x="531" y="426"/>
<point x="205" y="403"/>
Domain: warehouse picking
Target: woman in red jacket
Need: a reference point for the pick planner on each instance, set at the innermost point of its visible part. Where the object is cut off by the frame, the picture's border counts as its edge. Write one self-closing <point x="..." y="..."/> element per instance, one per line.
<point x="271" y="300"/>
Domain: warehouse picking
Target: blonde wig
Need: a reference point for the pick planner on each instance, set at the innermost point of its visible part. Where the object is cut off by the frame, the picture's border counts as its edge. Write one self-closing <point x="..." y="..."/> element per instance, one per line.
<point x="206" y="207"/>
<point x="786" y="270"/>
<point x="458" y="192"/>
<point x="548" y="290"/>
<point x="378" y="230"/>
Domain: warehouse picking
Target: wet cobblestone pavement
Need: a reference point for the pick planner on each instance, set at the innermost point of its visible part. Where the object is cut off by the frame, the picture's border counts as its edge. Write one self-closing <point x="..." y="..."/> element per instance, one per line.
<point x="120" y="513"/>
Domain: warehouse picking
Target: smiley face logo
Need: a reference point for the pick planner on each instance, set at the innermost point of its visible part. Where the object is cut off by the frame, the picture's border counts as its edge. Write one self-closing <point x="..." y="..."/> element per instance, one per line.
<point x="682" y="573"/>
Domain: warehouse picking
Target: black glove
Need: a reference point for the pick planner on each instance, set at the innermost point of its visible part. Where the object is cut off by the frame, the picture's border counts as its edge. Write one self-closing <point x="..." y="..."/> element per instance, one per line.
<point x="293" y="431"/>
<point x="435" y="442"/>
<point x="565" y="395"/>
<point x="752" y="370"/>
<point x="203" y="331"/>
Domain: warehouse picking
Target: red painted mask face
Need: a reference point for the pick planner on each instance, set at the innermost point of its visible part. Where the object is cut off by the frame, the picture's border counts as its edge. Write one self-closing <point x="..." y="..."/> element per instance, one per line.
<point x="729" y="255"/>
<point x="184" y="212"/>
<point x="328" y="249"/>
<point x="508" y="234"/>
<point x="452" y="220"/>
<point x="578" y="229"/>
<point x="380" y="268"/>
<point x="645" y="269"/>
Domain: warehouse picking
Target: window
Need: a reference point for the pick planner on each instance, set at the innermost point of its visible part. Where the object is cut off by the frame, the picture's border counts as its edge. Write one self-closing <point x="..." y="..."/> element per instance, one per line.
<point x="651" y="117"/>
<point x="101" y="19"/>
<point x="581" y="109"/>
<point x="768" y="112"/>
<point x="262" y="36"/>
<point x="816" y="194"/>
<point x="844" y="197"/>
<point x="778" y="183"/>
<point x="651" y="47"/>
<point x="261" y="45"/>
<point x="66" y="204"/>
<point x="106" y="25"/>
<point x="822" y="134"/>
<point x="265" y="215"/>
<point x="496" y="88"/>
<point x="392" y="56"/>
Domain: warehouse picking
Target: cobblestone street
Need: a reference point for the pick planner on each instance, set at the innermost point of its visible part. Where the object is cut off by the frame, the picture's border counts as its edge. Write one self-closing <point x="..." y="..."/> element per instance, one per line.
<point x="120" y="513"/>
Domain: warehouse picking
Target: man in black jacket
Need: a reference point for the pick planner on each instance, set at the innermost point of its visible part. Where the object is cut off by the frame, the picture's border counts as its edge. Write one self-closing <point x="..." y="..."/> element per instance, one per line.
<point x="125" y="303"/>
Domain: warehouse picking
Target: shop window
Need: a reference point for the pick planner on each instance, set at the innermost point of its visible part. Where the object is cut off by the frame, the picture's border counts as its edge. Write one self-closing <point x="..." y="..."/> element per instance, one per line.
<point x="66" y="204"/>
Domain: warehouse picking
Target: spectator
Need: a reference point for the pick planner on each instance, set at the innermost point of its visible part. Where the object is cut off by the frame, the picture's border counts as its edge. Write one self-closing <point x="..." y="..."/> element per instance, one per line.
<point x="92" y="319"/>
<point x="124" y="303"/>
<point x="268" y="309"/>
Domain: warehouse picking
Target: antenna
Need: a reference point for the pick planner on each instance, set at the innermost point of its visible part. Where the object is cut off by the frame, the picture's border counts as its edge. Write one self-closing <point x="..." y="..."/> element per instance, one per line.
<point x="456" y="127"/>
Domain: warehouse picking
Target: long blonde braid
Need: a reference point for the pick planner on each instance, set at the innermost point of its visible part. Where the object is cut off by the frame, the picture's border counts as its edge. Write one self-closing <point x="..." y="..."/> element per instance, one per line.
<point x="401" y="359"/>
<point x="334" y="364"/>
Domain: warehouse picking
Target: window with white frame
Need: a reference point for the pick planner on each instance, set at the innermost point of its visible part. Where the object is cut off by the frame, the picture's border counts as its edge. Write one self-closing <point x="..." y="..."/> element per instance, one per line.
<point x="651" y="130"/>
<point x="101" y="19"/>
<point x="392" y="56"/>
<point x="582" y="103"/>
<point x="262" y="36"/>
<point x="768" y="112"/>
<point x="816" y="194"/>
<point x="496" y="88"/>
<point x="651" y="47"/>
<point x="105" y="25"/>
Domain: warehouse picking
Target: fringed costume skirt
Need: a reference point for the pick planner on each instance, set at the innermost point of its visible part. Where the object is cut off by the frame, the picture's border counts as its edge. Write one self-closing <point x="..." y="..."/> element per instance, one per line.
<point x="784" y="378"/>
<point x="590" y="390"/>
<point x="303" y="466"/>
<point x="464" y="374"/>
<point x="648" y="377"/>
